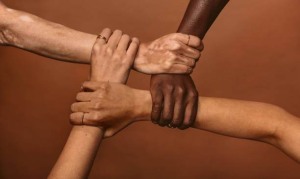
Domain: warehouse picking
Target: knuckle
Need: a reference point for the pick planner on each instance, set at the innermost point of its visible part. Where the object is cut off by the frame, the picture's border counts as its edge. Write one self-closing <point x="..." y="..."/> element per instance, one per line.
<point x="109" y="51"/>
<point x="173" y="35"/>
<point x="117" y="56"/>
<point x="173" y="56"/>
<point x="169" y="88"/>
<point x="180" y="91"/>
<point x="156" y="107"/>
<point x="96" y="48"/>
<point x="193" y="94"/>
<point x="97" y="105"/>
<point x="175" y="46"/>
<point x="192" y="63"/>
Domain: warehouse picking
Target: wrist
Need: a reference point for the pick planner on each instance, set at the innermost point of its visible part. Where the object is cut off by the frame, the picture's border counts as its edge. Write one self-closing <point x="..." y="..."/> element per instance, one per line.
<point x="7" y="21"/>
<point x="3" y="24"/>
<point x="143" y="105"/>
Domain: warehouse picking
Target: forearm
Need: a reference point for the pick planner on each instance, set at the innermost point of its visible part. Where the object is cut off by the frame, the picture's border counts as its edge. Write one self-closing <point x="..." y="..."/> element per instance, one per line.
<point x="241" y="119"/>
<point x="29" y="32"/>
<point x="78" y="155"/>
<point x="236" y="118"/>
<point x="200" y="15"/>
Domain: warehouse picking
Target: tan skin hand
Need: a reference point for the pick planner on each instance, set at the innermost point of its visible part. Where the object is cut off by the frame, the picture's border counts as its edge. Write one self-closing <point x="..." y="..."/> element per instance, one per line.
<point x="104" y="108"/>
<point x="174" y="53"/>
<point x="111" y="62"/>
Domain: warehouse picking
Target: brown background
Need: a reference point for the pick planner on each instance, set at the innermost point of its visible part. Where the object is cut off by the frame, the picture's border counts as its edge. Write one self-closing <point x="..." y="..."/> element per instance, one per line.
<point x="251" y="53"/>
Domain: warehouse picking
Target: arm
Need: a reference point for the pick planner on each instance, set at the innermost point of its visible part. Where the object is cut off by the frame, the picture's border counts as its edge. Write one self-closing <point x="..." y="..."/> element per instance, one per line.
<point x="241" y="119"/>
<point x="200" y="15"/>
<point x="81" y="148"/>
<point x="180" y="107"/>
<point x="29" y="32"/>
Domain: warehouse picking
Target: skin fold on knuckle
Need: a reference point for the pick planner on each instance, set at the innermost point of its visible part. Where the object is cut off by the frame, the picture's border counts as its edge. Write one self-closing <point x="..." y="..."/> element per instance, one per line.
<point x="97" y="106"/>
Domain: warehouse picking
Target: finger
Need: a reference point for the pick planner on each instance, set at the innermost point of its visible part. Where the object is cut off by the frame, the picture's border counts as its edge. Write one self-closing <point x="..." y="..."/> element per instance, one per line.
<point x="190" y="52"/>
<point x="82" y="107"/>
<point x="76" y="118"/>
<point x="84" y="96"/>
<point x="157" y="105"/>
<point x="133" y="47"/>
<point x="180" y="69"/>
<point x="81" y="118"/>
<point x="195" y="42"/>
<point x="179" y="110"/>
<point x="190" y="114"/>
<point x="124" y="42"/>
<point x="103" y="37"/>
<point x="93" y="85"/>
<point x="114" y="39"/>
<point x="168" y="110"/>
<point x="185" y="61"/>
<point x="189" y="40"/>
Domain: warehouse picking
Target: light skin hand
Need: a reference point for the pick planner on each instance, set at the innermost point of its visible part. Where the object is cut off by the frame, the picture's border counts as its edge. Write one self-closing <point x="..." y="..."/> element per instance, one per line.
<point x="174" y="53"/>
<point x="113" y="58"/>
<point x="168" y="54"/>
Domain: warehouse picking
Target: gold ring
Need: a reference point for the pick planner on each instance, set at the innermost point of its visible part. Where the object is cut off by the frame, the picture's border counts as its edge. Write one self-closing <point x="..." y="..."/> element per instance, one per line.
<point x="102" y="37"/>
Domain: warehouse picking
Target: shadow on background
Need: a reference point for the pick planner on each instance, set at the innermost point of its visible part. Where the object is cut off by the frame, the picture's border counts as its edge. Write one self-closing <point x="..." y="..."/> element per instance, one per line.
<point x="251" y="53"/>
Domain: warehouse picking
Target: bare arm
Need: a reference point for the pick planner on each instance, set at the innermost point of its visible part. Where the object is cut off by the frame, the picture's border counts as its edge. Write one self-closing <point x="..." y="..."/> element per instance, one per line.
<point x="117" y="56"/>
<point x="29" y="32"/>
<point x="242" y="119"/>
<point x="168" y="54"/>
<point x="200" y="15"/>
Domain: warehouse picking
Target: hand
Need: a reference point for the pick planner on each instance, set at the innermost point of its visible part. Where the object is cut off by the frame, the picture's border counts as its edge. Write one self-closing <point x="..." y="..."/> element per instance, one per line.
<point x="113" y="61"/>
<point x="174" y="53"/>
<point x="111" y="105"/>
<point x="109" y="62"/>
<point x="175" y="100"/>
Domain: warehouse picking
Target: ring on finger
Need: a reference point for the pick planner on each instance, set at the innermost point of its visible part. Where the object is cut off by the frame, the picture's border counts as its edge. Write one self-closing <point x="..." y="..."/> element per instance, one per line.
<point x="82" y="119"/>
<point x="102" y="37"/>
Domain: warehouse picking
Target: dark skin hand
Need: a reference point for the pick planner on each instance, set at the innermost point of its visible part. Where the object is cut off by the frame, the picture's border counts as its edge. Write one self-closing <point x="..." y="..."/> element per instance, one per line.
<point x="175" y="97"/>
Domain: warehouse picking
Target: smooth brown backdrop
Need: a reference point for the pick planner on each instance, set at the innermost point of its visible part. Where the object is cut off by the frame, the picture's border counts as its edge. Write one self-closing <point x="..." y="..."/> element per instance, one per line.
<point x="251" y="53"/>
